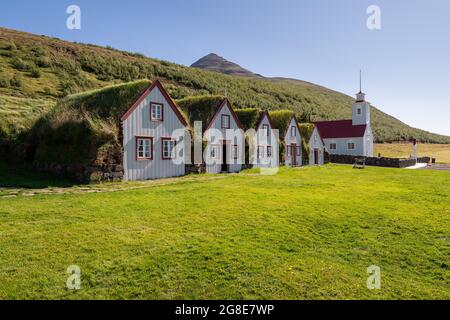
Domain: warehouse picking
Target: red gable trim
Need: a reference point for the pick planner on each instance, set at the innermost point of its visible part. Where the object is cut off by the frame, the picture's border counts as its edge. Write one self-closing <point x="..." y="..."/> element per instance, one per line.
<point x="340" y="129"/>
<point x="172" y="104"/>
<point x="289" y="126"/>
<point x="261" y="117"/>
<point x="217" y="112"/>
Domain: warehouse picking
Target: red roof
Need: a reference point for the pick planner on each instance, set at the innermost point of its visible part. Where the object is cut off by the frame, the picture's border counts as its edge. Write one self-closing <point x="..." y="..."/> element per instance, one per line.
<point x="340" y="129"/>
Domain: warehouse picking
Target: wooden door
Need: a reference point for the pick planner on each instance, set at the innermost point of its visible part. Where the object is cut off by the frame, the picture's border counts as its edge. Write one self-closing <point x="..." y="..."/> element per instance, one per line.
<point x="293" y="155"/>
<point x="224" y="157"/>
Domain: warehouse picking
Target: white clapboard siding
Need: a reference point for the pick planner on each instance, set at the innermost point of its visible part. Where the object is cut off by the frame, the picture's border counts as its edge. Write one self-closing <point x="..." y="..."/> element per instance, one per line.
<point x="289" y="140"/>
<point x="138" y="124"/>
<point x="265" y="141"/>
<point x="239" y="140"/>
<point x="316" y="143"/>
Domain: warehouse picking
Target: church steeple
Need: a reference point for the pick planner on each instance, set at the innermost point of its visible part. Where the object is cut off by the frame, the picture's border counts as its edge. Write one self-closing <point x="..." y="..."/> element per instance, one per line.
<point x="361" y="108"/>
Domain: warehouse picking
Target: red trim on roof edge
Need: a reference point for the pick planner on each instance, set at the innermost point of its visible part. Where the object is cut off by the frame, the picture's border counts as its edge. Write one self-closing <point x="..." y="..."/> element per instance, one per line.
<point x="172" y="104"/>
<point x="261" y="117"/>
<point x="219" y="108"/>
<point x="288" y="127"/>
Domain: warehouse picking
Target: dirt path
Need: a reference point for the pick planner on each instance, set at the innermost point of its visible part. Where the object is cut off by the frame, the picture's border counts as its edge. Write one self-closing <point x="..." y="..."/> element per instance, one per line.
<point x="105" y="187"/>
<point x="441" y="167"/>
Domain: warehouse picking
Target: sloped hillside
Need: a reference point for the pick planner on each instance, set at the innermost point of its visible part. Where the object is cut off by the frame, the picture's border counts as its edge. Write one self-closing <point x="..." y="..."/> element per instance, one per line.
<point x="40" y="67"/>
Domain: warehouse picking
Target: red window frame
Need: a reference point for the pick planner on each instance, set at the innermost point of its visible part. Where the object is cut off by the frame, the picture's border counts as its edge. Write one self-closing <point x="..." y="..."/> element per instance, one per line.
<point x="151" y="112"/>
<point x="266" y="128"/>
<point x="269" y="154"/>
<point x="222" y="123"/>
<point x="174" y="148"/>
<point x="137" y="148"/>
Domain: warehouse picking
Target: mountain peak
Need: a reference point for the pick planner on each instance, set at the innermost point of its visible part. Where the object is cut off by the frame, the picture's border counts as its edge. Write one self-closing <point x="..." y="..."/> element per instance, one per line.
<point x="214" y="62"/>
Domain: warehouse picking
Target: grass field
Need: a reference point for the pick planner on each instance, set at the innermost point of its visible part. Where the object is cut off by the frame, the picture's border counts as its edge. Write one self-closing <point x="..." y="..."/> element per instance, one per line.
<point x="306" y="233"/>
<point x="439" y="151"/>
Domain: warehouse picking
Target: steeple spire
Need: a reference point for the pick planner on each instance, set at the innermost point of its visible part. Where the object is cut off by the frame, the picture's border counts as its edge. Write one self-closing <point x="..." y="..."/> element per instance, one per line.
<point x="360" y="96"/>
<point x="360" y="81"/>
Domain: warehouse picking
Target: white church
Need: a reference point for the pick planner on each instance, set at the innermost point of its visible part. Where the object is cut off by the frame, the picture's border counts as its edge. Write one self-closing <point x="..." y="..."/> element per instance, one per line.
<point x="345" y="137"/>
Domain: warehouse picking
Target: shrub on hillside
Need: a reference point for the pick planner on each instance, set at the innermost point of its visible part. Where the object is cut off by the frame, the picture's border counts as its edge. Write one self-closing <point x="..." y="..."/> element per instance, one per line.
<point x="20" y="65"/>
<point x="8" y="54"/>
<point x="16" y="81"/>
<point x="43" y="62"/>
<point x="69" y="66"/>
<point x="39" y="51"/>
<point x="10" y="46"/>
<point x="35" y="72"/>
<point x="4" y="82"/>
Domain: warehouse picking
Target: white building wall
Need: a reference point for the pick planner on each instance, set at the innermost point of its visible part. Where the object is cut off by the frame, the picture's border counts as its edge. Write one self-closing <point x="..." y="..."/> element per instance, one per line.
<point x="342" y="146"/>
<point x="289" y="140"/>
<point x="315" y="142"/>
<point x="368" y="142"/>
<point x="139" y="124"/>
<point x="234" y="165"/>
<point x="364" y="116"/>
<point x="265" y="141"/>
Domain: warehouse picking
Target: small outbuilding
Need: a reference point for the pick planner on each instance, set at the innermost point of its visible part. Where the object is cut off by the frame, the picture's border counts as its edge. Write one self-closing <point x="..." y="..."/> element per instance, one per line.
<point x="223" y="132"/>
<point x="153" y="131"/>
<point x="316" y="148"/>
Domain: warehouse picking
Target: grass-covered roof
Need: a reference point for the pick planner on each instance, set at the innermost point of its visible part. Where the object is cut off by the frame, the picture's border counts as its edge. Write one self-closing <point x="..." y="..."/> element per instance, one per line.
<point x="107" y="102"/>
<point x="280" y="120"/>
<point x="199" y="108"/>
<point x="248" y="117"/>
<point x="306" y="130"/>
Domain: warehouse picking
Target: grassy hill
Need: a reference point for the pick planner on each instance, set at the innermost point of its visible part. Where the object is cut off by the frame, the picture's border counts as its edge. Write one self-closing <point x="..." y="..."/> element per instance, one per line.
<point x="40" y="67"/>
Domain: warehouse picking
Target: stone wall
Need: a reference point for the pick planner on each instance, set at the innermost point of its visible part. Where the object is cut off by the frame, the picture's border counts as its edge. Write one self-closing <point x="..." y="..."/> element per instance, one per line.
<point x="201" y="168"/>
<point x="380" y="162"/>
<point x="195" y="168"/>
<point x="84" y="174"/>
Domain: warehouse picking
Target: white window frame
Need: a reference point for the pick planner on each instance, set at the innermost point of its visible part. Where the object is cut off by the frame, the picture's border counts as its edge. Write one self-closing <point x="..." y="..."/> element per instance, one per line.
<point x="168" y="154"/>
<point x="215" y="151"/>
<point x="154" y="114"/>
<point x="293" y="131"/>
<point x="351" y="143"/>
<point x="333" y="144"/>
<point x="227" y="122"/>
<point x="144" y="151"/>
<point x="265" y="128"/>
<point x="269" y="153"/>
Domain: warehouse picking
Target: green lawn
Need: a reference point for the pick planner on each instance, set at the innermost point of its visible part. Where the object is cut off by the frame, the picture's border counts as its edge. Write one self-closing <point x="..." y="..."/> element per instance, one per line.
<point x="307" y="233"/>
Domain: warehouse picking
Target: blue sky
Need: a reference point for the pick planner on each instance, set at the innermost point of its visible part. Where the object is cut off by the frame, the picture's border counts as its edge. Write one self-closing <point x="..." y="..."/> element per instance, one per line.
<point x="406" y="68"/>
